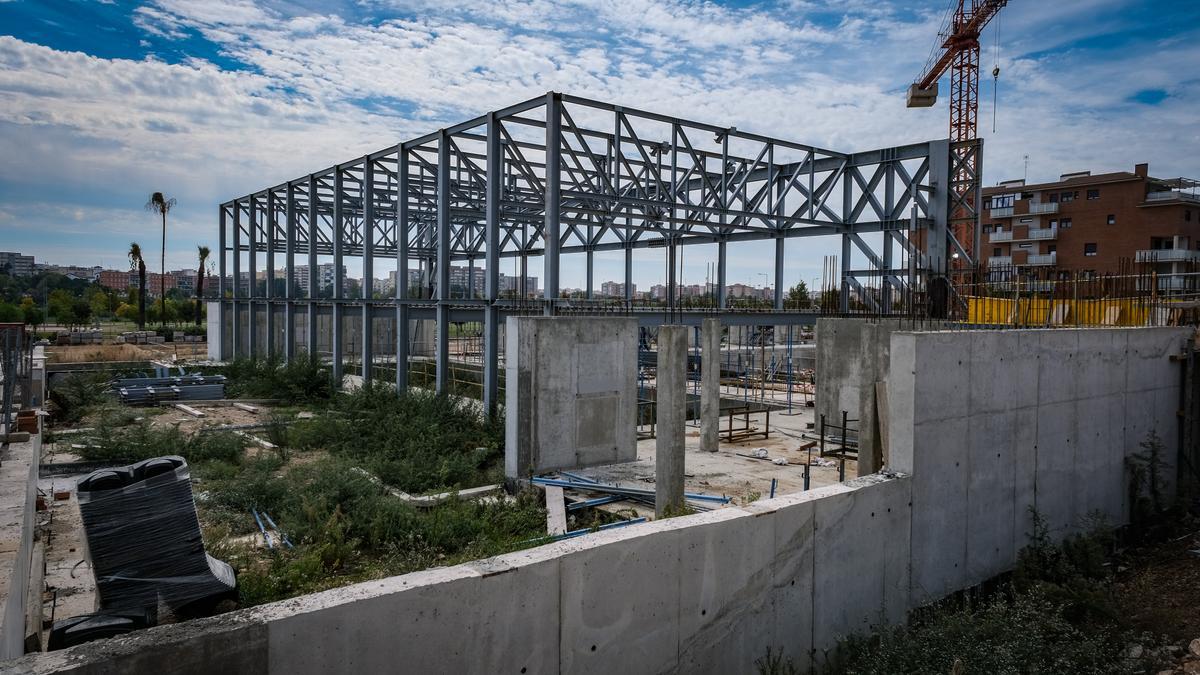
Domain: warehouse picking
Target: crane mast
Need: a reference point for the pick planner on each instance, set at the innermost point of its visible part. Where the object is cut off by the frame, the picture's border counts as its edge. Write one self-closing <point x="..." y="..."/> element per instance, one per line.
<point x="960" y="55"/>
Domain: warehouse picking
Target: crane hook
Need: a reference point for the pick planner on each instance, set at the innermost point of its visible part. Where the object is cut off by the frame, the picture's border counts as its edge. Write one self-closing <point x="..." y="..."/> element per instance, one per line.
<point x="995" y="72"/>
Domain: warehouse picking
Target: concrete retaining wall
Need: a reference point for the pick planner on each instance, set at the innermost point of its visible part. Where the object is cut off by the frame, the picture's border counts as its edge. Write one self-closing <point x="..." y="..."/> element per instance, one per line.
<point x="985" y="434"/>
<point x="18" y="490"/>
<point x="991" y="423"/>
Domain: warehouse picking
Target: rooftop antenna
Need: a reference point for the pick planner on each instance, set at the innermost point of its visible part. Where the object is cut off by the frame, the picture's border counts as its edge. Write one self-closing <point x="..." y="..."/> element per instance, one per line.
<point x="1026" y="177"/>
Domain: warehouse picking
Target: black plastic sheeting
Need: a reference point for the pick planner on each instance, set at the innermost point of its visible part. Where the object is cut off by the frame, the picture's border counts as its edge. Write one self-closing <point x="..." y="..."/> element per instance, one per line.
<point x="143" y="539"/>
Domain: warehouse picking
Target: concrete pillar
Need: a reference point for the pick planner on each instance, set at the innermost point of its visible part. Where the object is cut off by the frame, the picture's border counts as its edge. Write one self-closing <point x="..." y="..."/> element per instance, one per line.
<point x="671" y="409"/>
<point x="710" y="384"/>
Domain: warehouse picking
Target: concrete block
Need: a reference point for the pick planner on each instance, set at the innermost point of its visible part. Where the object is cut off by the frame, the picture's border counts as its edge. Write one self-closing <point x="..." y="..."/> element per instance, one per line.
<point x="991" y="494"/>
<point x="726" y="604"/>
<point x="939" y="517"/>
<point x="793" y="574"/>
<point x="941" y="387"/>
<point x="1057" y="364"/>
<point x="1057" y="440"/>
<point x="901" y="383"/>
<point x="620" y="604"/>
<point x="860" y="581"/>
<point x="1002" y="375"/>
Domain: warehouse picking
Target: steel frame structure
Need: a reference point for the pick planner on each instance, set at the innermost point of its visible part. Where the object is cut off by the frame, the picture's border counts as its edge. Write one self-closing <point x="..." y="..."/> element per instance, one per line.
<point x="626" y="179"/>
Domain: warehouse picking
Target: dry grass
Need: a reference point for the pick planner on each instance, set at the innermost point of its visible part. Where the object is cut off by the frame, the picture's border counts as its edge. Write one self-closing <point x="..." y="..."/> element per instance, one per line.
<point x="90" y="353"/>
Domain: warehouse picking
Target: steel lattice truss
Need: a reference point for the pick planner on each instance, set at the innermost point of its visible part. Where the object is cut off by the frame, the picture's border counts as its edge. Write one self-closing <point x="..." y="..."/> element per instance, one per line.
<point x="626" y="179"/>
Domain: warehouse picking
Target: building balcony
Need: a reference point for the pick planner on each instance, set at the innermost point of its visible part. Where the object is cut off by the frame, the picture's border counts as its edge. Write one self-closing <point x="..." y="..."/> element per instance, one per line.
<point x="1003" y="212"/>
<point x="1000" y="236"/>
<point x="1167" y="255"/>
<point x="1000" y="261"/>
<point x="1041" y="208"/>
<point x="1043" y="232"/>
<point x="1167" y="195"/>
<point x="1043" y="259"/>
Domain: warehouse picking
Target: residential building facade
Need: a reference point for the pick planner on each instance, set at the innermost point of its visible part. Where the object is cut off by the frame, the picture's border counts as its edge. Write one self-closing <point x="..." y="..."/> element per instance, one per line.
<point x="16" y="264"/>
<point x="1086" y="223"/>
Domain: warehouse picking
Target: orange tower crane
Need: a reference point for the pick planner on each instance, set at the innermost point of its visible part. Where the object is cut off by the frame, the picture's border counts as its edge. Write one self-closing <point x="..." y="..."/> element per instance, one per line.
<point x="959" y="52"/>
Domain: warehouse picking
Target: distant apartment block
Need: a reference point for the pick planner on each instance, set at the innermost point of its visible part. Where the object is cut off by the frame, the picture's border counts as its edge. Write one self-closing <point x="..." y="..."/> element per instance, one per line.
<point x="1091" y="223"/>
<point x="16" y="264"/>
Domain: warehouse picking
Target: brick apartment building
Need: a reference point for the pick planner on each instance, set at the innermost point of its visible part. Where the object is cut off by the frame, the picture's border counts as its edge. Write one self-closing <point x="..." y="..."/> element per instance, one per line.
<point x="1091" y="223"/>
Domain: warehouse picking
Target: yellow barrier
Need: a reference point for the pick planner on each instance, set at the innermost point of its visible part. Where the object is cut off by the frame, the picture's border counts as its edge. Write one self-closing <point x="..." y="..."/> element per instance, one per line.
<point x="1058" y="312"/>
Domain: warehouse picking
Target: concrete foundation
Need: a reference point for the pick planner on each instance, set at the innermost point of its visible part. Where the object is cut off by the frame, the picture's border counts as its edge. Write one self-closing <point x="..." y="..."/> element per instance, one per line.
<point x="988" y="424"/>
<point x="710" y="384"/>
<point x="571" y="393"/>
<point x="671" y="415"/>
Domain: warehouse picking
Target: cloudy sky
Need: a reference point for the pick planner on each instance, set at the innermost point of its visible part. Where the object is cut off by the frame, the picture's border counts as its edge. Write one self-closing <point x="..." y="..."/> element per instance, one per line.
<point x="103" y="102"/>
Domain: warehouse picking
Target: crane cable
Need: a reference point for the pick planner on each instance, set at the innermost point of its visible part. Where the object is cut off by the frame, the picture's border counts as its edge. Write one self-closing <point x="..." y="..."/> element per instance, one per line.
<point x="995" y="71"/>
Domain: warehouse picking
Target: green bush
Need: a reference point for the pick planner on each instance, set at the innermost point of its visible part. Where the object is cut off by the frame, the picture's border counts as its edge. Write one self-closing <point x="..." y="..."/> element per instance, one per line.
<point x="143" y="441"/>
<point x="1028" y="634"/>
<point x="78" y="394"/>
<point x="416" y="442"/>
<point x="305" y="378"/>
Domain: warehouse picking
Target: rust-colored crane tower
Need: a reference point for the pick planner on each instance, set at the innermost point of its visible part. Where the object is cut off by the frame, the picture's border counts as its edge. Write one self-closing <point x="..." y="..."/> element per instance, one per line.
<point x="960" y="53"/>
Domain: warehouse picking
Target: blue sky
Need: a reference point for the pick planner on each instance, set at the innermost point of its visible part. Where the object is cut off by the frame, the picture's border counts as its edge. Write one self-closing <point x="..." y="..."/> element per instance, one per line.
<point x="102" y="103"/>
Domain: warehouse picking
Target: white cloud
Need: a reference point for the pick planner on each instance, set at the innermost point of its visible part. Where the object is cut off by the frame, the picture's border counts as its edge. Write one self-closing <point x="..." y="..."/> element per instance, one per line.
<point x="320" y="88"/>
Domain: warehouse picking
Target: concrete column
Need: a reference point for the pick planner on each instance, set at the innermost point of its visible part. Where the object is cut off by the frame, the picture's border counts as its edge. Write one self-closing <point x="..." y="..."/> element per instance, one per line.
<point x="710" y="384"/>
<point x="671" y="409"/>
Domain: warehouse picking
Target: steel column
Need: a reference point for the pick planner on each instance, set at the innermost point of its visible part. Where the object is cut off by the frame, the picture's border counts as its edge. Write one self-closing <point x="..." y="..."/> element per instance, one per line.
<point x="368" y="283"/>
<point x="442" y="338"/>
<point x="491" y="270"/>
<point x="339" y="235"/>
<point x="401" y="271"/>
<point x="238" y="345"/>
<point x="289" y="271"/>
<point x="551" y="235"/>
<point x="311" y="328"/>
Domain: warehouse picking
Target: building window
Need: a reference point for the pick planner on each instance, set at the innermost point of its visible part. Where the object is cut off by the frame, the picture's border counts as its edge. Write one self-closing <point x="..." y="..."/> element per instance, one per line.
<point x="1027" y="220"/>
<point x="1112" y="219"/>
<point x="1053" y="197"/>
<point x="1064" y="223"/>
<point x="996" y="253"/>
<point x="1187" y="215"/>
<point x="1052" y="248"/>
<point x="1067" y="196"/>
<point x="1089" y="249"/>
<point x="1053" y="224"/>
<point x="1093" y="194"/>
<point x="1024" y="245"/>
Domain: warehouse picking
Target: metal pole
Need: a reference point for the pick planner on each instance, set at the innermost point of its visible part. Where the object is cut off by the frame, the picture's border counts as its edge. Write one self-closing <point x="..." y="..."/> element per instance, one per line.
<point x="311" y="327"/>
<point x="443" y="264"/>
<point x="252" y="273"/>
<point x="271" y="224"/>
<point x="402" y="271"/>
<point x="491" y="279"/>
<point x="221" y="272"/>
<point x="289" y="271"/>
<point x="238" y="348"/>
<point x="339" y="233"/>
<point x="368" y="284"/>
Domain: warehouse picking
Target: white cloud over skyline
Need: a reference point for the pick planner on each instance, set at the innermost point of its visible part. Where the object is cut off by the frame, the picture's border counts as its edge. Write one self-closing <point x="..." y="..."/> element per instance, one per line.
<point x="292" y="90"/>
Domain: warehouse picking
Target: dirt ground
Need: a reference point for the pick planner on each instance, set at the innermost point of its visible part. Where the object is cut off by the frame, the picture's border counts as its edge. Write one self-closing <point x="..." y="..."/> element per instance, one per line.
<point x="1160" y="588"/>
<point x="728" y="472"/>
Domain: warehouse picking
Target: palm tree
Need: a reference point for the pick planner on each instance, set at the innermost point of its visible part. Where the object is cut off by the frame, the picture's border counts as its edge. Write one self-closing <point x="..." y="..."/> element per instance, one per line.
<point x="203" y="251"/>
<point x="159" y="204"/>
<point x="136" y="261"/>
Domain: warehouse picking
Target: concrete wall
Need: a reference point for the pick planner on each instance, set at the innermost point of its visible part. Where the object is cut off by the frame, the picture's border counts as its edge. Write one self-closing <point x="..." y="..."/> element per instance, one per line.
<point x="18" y="490"/>
<point x="851" y="356"/>
<point x="988" y="422"/>
<point x="571" y="393"/>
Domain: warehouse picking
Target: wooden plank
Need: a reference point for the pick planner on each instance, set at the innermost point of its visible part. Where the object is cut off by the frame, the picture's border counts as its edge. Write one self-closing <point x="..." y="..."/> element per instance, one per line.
<point x="189" y="410"/>
<point x="556" y="511"/>
<point x="247" y="408"/>
<point x="881" y="405"/>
